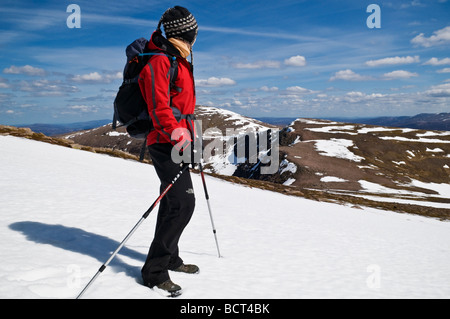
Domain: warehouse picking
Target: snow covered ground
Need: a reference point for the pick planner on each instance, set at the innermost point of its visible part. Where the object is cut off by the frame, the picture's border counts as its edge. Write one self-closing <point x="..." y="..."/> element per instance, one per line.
<point x="63" y="211"/>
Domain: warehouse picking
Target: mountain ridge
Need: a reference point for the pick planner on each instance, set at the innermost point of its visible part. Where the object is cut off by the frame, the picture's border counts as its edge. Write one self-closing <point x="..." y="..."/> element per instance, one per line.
<point x="63" y="128"/>
<point x="426" y="121"/>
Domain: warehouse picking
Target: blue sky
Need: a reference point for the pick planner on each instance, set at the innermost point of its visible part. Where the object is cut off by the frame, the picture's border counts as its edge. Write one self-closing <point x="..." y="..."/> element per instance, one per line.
<point x="258" y="58"/>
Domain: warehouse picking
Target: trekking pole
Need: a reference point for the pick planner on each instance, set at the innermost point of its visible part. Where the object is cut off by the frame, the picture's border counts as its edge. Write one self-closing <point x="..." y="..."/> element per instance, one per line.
<point x="163" y="193"/>
<point x="209" y="208"/>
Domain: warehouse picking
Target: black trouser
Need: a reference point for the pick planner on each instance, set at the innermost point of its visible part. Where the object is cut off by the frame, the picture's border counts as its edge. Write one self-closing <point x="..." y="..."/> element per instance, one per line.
<point x="174" y="213"/>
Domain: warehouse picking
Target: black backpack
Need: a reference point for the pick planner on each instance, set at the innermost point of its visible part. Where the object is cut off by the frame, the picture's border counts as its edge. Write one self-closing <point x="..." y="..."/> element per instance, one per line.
<point x="130" y="109"/>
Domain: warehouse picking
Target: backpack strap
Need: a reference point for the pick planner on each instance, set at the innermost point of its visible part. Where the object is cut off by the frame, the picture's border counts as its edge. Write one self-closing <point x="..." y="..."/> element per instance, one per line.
<point x="173" y="74"/>
<point x="114" y="123"/>
<point x="143" y="149"/>
<point x="173" y="71"/>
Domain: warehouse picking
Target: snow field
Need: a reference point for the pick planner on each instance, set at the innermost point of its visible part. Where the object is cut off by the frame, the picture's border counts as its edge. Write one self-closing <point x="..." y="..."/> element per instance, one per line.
<point x="63" y="211"/>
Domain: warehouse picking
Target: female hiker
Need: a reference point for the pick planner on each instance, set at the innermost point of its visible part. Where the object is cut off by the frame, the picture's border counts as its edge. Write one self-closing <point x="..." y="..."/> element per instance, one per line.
<point x="171" y="109"/>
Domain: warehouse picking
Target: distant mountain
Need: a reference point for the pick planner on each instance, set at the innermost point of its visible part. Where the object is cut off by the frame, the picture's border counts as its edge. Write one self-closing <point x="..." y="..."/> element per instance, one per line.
<point x="424" y="121"/>
<point x="282" y="121"/>
<point x="210" y="117"/>
<point x="57" y="129"/>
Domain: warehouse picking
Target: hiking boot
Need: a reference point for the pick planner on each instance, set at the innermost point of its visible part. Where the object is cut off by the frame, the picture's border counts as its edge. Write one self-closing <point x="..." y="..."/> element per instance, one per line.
<point x="188" y="269"/>
<point x="170" y="287"/>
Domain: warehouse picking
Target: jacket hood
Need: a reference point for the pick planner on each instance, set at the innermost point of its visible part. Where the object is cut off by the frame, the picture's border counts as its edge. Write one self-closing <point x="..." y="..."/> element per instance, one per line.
<point x="159" y="42"/>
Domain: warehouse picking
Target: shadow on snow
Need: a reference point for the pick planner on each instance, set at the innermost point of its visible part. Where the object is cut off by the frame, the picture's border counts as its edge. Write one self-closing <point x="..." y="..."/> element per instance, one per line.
<point x="80" y="241"/>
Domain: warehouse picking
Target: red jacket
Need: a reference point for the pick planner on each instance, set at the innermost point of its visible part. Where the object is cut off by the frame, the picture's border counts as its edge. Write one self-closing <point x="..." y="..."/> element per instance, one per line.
<point x="154" y="83"/>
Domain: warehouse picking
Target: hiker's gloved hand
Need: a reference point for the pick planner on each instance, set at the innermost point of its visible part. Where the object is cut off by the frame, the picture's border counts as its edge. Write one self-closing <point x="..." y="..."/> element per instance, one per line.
<point x="182" y="138"/>
<point x="195" y="158"/>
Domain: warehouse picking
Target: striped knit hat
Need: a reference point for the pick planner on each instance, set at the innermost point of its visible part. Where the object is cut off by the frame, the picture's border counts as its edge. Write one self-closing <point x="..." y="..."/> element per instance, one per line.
<point x="178" y="22"/>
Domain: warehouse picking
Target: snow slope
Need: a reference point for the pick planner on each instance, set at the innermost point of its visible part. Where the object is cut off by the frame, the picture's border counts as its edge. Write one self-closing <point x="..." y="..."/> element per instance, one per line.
<point x="63" y="211"/>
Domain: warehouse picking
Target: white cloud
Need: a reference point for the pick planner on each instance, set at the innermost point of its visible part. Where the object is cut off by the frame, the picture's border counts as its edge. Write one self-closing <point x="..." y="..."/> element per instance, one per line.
<point x="353" y="97"/>
<point x="399" y="74"/>
<point x="241" y="31"/>
<point x="268" y="89"/>
<point x="94" y="76"/>
<point x="258" y="65"/>
<point x="79" y="108"/>
<point x="213" y="81"/>
<point x="298" y="90"/>
<point x="82" y="108"/>
<point x="297" y="60"/>
<point x="444" y="70"/>
<point x="436" y="61"/>
<point x="97" y="77"/>
<point x="356" y="96"/>
<point x="439" y="37"/>
<point x="442" y="90"/>
<point x="394" y="61"/>
<point x="26" y="69"/>
<point x="348" y="75"/>
<point x="4" y="83"/>
<point x="46" y="88"/>
<point x="113" y="76"/>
